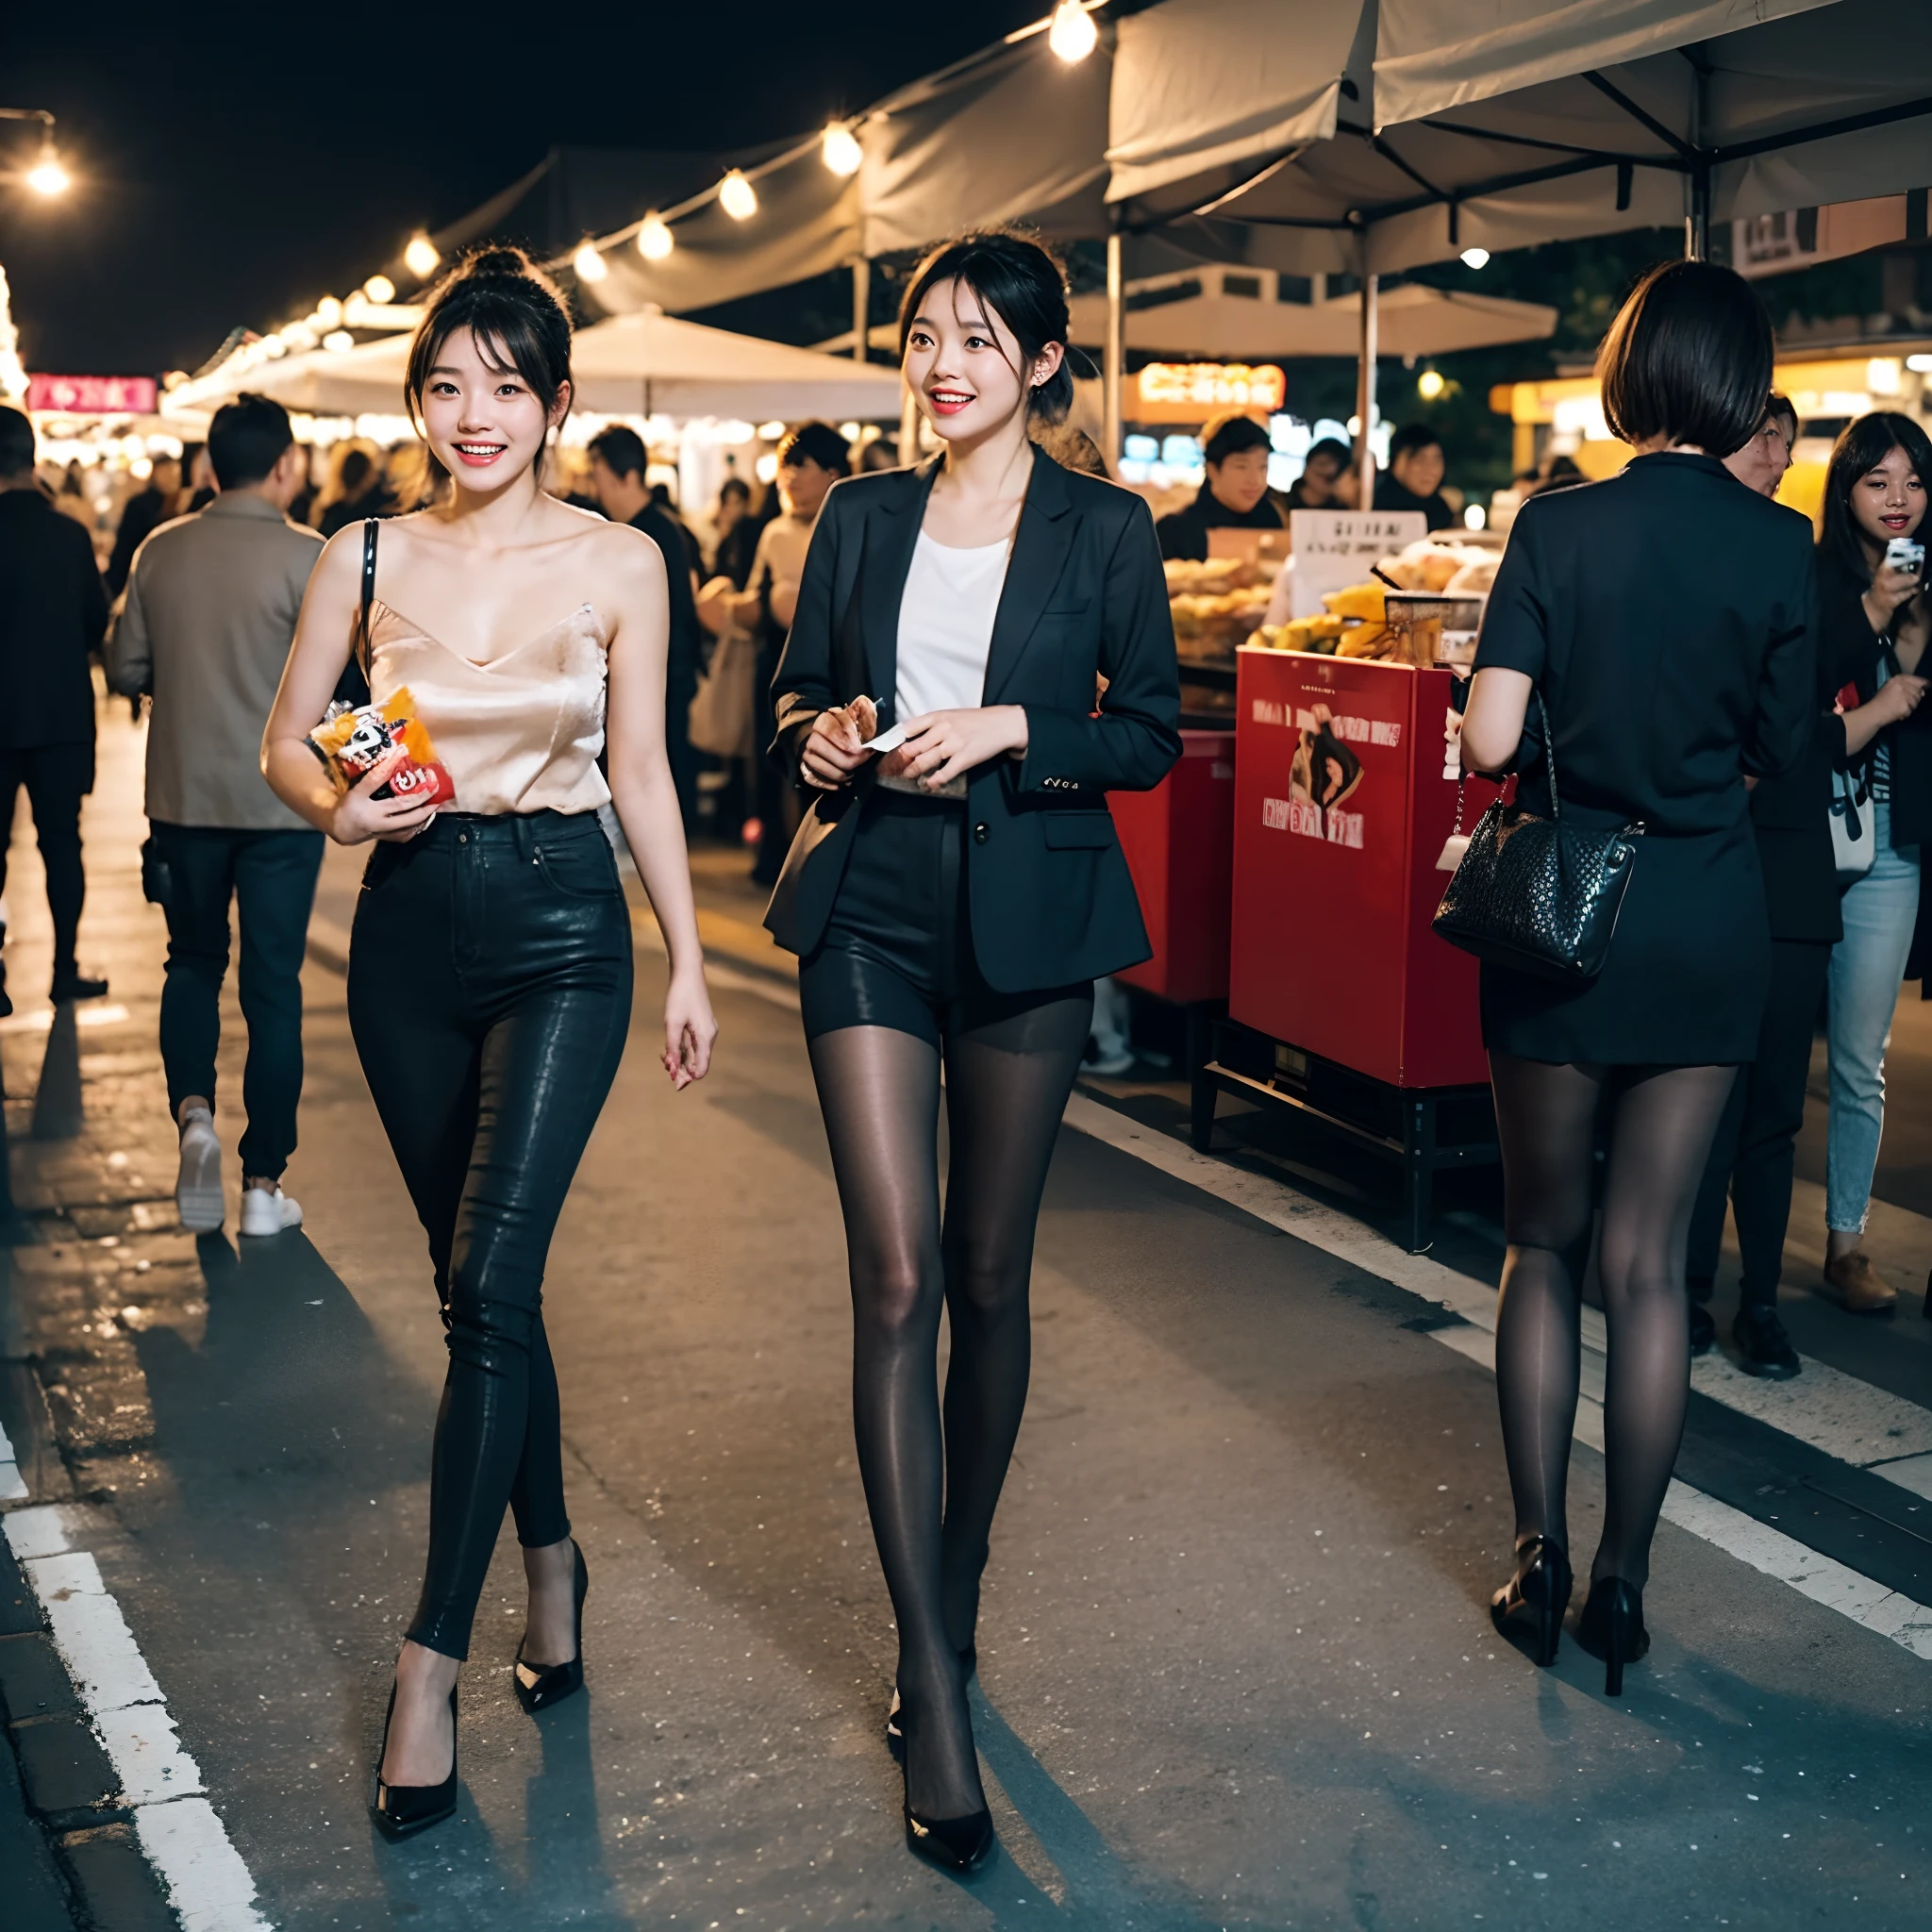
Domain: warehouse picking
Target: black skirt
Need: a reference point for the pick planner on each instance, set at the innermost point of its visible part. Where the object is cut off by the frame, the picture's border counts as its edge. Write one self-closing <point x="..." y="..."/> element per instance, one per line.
<point x="1686" y="979"/>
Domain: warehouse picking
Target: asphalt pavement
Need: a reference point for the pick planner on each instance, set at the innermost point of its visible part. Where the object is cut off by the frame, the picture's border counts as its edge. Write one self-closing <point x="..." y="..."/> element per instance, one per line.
<point x="1236" y="1668"/>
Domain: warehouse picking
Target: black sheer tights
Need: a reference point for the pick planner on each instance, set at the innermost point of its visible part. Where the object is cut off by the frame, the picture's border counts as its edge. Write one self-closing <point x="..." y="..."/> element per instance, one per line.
<point x="1006" y="1088"/>
<point x="1662" y="1125"/>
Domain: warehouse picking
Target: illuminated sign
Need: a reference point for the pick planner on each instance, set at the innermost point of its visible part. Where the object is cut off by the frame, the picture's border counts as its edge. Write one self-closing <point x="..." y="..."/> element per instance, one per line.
<point x="91" y="395"/>
<point x="1210" y="386"/>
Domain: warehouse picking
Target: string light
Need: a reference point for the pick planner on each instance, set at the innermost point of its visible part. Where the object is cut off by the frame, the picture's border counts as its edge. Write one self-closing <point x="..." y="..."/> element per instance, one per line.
<point x="329" y="313"/>
<point x="379" y="289"/>
<point x="1476" y="257"/>
<point x="655" y="241"/>
<point x="737" y="197"/>
<point x="419" y="257"/>
<point x="839" y="149"/>
<point x="47" y="177"/>
<point x="337" y="339"/>
<point x="589" y="265"/>
<point x="1429" y="385"/>
<point x="1073" y="35"/>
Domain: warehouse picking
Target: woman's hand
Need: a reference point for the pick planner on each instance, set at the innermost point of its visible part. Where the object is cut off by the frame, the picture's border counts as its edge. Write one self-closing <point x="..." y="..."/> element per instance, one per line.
<point x="831" y="753"/>
<point x="688" y="1029"/>
<point x="1897" y="698"/>
<point x="1891" y="591"/>
<point x="359" y="816"/>
<point x="944" y="745"/>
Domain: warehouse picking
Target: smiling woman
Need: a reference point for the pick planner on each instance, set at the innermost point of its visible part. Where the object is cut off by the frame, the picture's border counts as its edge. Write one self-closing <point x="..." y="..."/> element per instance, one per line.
<point x="537" y="639"/>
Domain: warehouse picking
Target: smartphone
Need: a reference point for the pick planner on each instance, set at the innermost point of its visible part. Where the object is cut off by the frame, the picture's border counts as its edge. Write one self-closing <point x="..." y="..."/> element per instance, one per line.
<point x="1906" y="554"/>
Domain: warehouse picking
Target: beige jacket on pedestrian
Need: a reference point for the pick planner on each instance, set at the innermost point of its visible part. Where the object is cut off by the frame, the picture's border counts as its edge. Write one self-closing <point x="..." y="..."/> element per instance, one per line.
<point x="205" y="625"/>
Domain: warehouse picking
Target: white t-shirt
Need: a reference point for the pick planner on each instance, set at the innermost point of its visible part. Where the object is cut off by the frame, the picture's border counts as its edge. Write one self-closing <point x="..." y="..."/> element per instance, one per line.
<point x="945" y="626"/>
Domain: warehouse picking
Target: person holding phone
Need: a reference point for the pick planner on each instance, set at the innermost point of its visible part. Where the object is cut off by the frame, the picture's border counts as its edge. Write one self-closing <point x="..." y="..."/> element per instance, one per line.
<point x="1872" y="626"/>
<point x="952" y="902"/>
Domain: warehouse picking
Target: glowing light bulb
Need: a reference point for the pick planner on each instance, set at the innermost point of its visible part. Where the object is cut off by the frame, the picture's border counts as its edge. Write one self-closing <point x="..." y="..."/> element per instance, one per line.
<point x="839" y="149"/>
<point x="329" y="313"/>
<point x="1476" y="257"/>
<point x="655" y="241"/>
<point x="737" y="197"/>
<point x="1072" y="34"/>
<point x="379" y="289"/>
<point x="419" y="257"/>
<point x="47" y="177"/>
<point x="272" y="345"/>
<point x="1429" y="385"/>
<point x="337" y="339"/>
<point x="589" y="265"/>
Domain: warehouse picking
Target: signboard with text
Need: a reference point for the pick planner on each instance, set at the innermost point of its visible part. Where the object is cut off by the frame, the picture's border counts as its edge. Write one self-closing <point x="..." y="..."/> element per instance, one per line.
<point x="1334" y="548"/>
<point x="93" y="395"/>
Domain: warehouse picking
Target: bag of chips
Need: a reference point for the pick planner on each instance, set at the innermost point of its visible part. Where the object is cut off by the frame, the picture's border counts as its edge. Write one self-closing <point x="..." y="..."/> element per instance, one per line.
<point x="353" y="741"/>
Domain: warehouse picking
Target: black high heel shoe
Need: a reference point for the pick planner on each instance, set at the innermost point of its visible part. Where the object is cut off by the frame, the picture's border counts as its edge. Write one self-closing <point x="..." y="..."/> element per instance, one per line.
<point x="1612" y="1627"/>
<point x="953" y="1845"/>
<point x="895" y="1735"/>
<point x="1528" y="1610"/>
<point x="537" y="1686"/>
<point x="402" y="1810"/>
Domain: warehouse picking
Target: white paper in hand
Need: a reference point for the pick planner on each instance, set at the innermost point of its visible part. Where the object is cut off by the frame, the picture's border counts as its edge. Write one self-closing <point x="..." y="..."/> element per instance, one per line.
<point x="886" y="741"/>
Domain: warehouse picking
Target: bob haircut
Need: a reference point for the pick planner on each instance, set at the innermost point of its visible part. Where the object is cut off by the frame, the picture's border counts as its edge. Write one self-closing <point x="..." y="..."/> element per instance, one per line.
<point x="515" y="313"/>
<point x="1861" y="448"/>
<point x="1023" y="283"/>
<point x="1688" y="357"/>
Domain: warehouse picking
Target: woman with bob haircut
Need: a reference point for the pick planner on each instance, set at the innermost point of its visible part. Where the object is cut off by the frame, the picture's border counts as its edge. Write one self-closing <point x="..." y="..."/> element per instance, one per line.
<point x="490" y="965"/>
<point x="1647" y="649"/>
<point x="1872" y="625"/>
<point x="953" y="893"/>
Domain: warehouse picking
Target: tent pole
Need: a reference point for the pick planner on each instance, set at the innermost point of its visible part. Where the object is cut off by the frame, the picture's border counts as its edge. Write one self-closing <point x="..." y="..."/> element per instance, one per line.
<point x="1697" y="222"/>
<point x="861" y="306"/>
<point x="1114" y="364"/>
<point x="1365" y="397"/>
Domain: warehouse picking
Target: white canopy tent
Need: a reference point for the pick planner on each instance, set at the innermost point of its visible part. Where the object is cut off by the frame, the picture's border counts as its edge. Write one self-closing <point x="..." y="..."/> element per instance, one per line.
<point x="642" y="364"/>
<point x="1365" y="135"/>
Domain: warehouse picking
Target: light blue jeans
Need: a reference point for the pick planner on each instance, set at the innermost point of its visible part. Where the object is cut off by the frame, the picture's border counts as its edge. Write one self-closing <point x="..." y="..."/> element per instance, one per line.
<point x="1867" y="967"/>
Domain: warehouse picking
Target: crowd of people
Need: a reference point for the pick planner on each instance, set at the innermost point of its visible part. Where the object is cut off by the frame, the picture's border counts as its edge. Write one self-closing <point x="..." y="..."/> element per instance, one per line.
<point x="1665" y="654"/>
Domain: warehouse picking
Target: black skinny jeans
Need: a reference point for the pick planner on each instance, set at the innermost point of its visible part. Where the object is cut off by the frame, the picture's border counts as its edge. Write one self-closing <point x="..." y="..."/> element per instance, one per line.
<point x="490" y="993"/>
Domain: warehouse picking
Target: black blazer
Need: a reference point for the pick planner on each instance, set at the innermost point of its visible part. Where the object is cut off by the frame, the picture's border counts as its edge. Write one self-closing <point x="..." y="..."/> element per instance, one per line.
<point x="1050" y="895"/>
<point x="52" y="613"/>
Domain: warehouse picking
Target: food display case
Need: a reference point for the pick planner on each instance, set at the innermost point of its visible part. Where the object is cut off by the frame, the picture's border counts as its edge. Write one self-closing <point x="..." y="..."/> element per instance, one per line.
<point x="1342" y="1002"/>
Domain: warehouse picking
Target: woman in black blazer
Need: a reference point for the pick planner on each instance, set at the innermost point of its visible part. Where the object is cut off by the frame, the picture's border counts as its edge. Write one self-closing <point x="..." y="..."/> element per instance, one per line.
<point x="952" y="900"/>
<point x="1662" y="620"/>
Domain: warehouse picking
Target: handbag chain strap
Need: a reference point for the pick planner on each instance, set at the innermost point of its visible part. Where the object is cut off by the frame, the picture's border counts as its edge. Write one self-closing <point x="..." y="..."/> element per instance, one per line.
<point x="1549" y="753"/>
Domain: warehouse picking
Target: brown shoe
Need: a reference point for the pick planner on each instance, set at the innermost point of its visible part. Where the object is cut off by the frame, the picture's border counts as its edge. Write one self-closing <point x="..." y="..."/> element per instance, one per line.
<point x="1857" y="1287"/>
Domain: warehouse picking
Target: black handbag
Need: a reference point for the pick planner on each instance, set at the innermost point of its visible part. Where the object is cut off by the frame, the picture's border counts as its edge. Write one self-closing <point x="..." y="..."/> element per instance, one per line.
<point x="1537" y="896"/>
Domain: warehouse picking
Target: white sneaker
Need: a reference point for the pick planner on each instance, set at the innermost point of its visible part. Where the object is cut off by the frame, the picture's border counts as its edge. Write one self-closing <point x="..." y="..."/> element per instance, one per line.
<point x="268" y="1210"/>
<point x="198" y="1186"/>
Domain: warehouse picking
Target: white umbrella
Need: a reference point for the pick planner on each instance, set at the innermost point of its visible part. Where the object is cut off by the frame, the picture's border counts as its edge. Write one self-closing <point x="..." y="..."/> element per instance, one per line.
<point x="643" y="364"/>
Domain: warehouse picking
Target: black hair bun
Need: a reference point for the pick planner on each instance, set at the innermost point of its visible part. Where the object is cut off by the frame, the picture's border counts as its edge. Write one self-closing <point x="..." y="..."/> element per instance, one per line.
<point x="496" y="261"/>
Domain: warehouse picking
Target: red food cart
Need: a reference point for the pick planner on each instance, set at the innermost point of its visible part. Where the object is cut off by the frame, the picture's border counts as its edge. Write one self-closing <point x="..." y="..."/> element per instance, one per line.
<point x="1342" y="1002"/>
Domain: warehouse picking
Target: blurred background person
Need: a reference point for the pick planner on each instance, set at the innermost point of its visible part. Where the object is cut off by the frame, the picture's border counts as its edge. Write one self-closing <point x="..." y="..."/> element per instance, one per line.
<point x="353" y="491"/>
<point x="1755" y="1153"/>
<point x="739" y="544"/>
<point x="1413" y="479"/>
<point x="734" y="501"/>
<point x="405" y="480"/>
<point x="52" y="613"/>
<point x="1327" y="480"/>
<point x="1234" y="494"/>
<point x="667" y="508"/>
<point x="810" y="459"/>
<point x="198" y="479"/>
<point x="143" y="512"/>
<point x="303" y="501"/>
<point x="617" y="461"/>
<point x="1872" y="625"/>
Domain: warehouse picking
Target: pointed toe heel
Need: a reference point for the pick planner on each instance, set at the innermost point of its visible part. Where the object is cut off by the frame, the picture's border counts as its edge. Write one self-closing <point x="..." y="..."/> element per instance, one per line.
<point x="1611" y="1629"/>
<point x="401" y="1812"/>
<point x="1528" y="1610"/>
<point x="953" y="1845"/>
<point x="537" y="1686"/>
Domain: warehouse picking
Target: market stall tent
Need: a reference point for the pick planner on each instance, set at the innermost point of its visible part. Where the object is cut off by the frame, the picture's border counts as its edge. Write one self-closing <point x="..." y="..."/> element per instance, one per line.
<point x="643" y="364"/>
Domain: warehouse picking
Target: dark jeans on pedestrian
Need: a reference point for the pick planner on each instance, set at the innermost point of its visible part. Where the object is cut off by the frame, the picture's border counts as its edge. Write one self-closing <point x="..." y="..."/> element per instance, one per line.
<point x="1754" y="1155"/>
<point x="271" y="878"/>
<point x="57" y="778"/>
<point x="490" y="993"/>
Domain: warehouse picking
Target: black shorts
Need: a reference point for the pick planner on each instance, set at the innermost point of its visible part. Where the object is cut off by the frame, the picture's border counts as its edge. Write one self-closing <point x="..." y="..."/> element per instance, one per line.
<point x="897" y="950"/>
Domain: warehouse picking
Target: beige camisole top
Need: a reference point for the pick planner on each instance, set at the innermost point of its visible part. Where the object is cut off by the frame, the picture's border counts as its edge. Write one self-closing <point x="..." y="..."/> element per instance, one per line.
<point x="519" y="734"/>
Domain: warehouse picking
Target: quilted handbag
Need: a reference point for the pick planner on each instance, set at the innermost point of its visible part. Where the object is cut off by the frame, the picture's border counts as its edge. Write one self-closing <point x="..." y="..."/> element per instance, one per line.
<point x="1537" y="896"/>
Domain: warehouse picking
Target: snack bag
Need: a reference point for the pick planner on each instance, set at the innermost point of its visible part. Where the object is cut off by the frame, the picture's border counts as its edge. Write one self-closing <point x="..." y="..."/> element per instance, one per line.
<point x="352" y="743"/>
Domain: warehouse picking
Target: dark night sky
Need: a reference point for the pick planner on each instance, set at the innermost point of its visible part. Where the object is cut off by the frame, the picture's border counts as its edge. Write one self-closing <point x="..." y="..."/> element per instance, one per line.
<point x="234" y="163"/>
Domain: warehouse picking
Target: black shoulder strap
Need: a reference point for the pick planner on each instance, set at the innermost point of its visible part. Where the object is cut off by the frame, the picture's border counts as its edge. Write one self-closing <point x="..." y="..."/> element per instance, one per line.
<point x="368" y="530"/>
